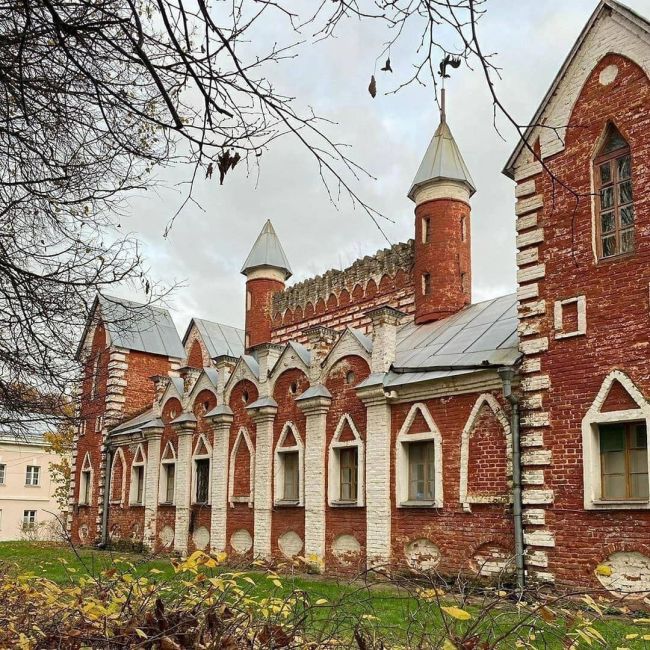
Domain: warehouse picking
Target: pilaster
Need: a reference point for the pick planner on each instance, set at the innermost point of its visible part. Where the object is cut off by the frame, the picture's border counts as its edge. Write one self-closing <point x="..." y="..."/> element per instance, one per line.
<point x="315" y="403"/>
<point x="152" y="433"/>
<point x="221" y="417"/>
<point x="185" y="426"/>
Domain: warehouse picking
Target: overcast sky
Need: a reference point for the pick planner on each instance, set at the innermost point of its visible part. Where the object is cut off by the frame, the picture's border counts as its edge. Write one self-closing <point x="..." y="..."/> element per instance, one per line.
<point x="388" y="136"/>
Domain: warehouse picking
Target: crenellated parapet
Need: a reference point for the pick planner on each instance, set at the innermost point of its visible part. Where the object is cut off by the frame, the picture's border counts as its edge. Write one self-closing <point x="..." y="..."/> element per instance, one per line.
<point x="386" y="272"/>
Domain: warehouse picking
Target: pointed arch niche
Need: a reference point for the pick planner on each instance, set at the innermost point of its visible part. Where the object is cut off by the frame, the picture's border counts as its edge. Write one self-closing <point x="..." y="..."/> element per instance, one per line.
<point x="201" y="471"/>
<point x="424" y="441"/>
<point x="615" y="447"/>
<point x="138" y="470"/>
<point x="486" y="405"/>
<point x="118" y="478"/>
<point x="86" y="481"/>
<point x="167" y="483"/>
<point x="242" y="467"/>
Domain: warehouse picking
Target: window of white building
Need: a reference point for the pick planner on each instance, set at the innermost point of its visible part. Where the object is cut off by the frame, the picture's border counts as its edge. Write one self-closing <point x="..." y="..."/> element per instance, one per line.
<point x="32" y="475"/>
<point x="29" y="518"/>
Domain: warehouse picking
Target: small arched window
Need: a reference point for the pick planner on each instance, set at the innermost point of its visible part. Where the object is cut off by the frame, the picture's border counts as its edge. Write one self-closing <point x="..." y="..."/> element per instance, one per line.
<point x="614" y="207"/>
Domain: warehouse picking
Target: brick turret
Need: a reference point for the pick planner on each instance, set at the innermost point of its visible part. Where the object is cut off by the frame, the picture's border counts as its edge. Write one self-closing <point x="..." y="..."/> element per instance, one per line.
<point x="266" y="269"/>
<point x="441" y="191"/>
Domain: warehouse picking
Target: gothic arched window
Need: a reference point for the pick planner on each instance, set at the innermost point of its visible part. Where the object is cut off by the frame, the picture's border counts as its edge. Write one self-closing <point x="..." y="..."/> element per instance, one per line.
<point x="614" y="207"/>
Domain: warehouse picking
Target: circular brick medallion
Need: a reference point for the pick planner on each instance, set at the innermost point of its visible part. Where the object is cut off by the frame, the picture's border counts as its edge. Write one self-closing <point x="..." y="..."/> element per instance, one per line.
<point x="290" y="544"/>
<point x="167" y="536"/>
<point x="83" y="532"/>
<point x="201" y="538"/>
<point x="346" y="548"/>
<point x="626" y="573"/>
<point x="241" y="541"/>
<point x="422" y="554"/>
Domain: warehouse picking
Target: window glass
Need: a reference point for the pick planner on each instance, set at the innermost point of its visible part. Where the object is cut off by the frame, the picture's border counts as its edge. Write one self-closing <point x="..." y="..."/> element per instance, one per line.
<point x="29" y="518"/>
<point x="84" y="493"/>
<point x="138" y="478"/>
<point x="624" y="461"/>
<point x="421" y="471"/>
<point x="202" y="479"/>
<point x="2" y="474"/>
<point x="348" y="462"/>
<point x="170" y="477"/>
<point x="291" y="476"/>
<point x="32" y="475"/>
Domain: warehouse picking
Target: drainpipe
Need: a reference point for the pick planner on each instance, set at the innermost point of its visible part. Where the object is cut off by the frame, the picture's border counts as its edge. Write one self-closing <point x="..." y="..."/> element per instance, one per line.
<point x="107" y="495"/>
<point x="507" y="375"/>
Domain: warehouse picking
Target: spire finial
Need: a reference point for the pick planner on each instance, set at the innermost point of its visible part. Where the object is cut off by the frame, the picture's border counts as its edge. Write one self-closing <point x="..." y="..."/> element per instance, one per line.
<point x="454" y="62"/>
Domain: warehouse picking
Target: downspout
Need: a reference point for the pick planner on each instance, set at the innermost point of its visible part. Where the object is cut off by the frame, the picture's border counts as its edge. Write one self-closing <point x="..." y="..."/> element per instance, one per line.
<point x="107" y="495"/>
<point x="507" y="374"/>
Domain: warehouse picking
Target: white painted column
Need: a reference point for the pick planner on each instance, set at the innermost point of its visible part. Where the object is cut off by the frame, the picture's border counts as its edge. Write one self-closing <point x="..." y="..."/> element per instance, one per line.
<point x="263" y="416"/>
<point x="152" y="433"/>
<point x="378" y="480"/>
<point x="185" y="429"/>
<point x="315" y="403"/>
<point x="221" y="418"/>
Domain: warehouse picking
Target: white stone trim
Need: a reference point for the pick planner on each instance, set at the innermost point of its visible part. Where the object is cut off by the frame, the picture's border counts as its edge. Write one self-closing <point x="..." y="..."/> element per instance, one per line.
<point x="164" y="462"/>
<point x="86" y="466"/>
<point x="121" y="500"/>
<point x="441" y="189"/>
<point x="334" y="467"/>
<point x="204" y="456"/>
<point x="591" y="446"/>
<point x="528" y="291"/>
<point x="240" y="371"/>
<point x="526" y="222"/>
<point x="266" y="273"/>
<point x="278" y="465"/>
<point x="402" y="460"/>
<point x="524" y="189"/>
<point x="347" y="346"/>
<point x="581" y="303"/>
<point x="529" y="238"/>
<point x="244" y="436"/>
<point x="529" y="204"/>
<point x="133" y="493"/>
<point x="528" y="256"/>
<point x="202" y="383"/>
<point x="530" y="273"/>
<point x="489" y="400"/>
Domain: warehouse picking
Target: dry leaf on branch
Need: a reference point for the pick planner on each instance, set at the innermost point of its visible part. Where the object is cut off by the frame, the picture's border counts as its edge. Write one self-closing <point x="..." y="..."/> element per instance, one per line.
<point x="372" y="88"/>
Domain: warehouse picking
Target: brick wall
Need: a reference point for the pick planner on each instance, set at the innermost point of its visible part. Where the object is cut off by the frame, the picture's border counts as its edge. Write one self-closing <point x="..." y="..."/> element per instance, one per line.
<point x="345" y="520"/>
<point x="461" y="538"/>
<point x="292" y="518"/>
<point x="557" y="262"/>
<point x="240" y="515"/>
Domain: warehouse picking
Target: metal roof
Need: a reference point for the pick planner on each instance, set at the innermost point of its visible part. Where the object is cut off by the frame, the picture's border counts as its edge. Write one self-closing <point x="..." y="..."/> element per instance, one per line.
<point x="442" y="160"/>
<point x="135" y="423"/>
<point x="218" y="338"/>
<point x="301" y="351"/>
<point x="483" y="335"/>
<point x="261" y="403"/>
<point x="28" y="428"/>
<point x="267" y="251"/>
<point x="317" y="390"/>
<point x="612" y="5"/>
<point x="134" y="326"/>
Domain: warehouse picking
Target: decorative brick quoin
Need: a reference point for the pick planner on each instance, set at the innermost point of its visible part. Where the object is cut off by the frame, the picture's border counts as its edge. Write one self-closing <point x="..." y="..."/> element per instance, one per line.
<point x="375" y="416"/>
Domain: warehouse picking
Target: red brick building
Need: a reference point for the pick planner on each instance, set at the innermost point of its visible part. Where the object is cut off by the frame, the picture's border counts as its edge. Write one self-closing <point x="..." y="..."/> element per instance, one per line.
<point x="375" y="415"/>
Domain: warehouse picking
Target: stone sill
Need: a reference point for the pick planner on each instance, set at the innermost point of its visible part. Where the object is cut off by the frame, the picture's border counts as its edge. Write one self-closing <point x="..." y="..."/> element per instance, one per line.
<point x="167" y="504"/>
<point x="419" y="504"/>
<point x="345" y="504"/>
<point x="624" y="504"/>
<point x="288" y="504"/>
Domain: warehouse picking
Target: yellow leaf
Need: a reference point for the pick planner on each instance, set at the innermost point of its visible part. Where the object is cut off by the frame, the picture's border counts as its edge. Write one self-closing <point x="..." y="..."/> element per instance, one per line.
<point x="276" y="582"/>
<point x="448" y="645"/>
<point x="646" y="637"/>
<point x="629" y="637"/>
<point x="322" y="601"/>
<point x="603" y="570"/>
<point x="457" y="613"/>
<point x="140" y="633"/>
<point x="249" y="579"/>
<point x="643" y="621"/>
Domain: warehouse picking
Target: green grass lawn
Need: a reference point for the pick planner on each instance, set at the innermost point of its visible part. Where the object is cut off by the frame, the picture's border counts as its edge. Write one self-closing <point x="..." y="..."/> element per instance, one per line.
<point x="396" y="612"/>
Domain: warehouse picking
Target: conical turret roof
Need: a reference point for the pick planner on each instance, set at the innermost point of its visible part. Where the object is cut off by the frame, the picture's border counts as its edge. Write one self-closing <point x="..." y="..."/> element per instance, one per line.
<point x="267" y="251"/>
<point x="442" y="161"/>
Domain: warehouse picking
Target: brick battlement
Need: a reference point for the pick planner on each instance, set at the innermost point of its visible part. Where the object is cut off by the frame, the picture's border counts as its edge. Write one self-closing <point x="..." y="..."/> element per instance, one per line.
<point x="384" y="263"/>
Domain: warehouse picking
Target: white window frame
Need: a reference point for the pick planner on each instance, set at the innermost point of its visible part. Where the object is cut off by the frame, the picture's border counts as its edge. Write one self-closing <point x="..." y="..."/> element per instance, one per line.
<point x="206" y="456"/>
<point x="28" y="525"/>
<point x="591" y="442"/>
<point x="164" y="464"/>
<point x="99" y="423"/>
<point x="278" y="467"/>
<point x="133" y="491"/>
<point x="334" y="464"/>
<point x="86" y="479"/>
<point x="3" y="473"/>
<point x="558" y="313"/>
<point x="29" y="476"/>
<point x="242" y="436"/>
<point x="404" y="438"/>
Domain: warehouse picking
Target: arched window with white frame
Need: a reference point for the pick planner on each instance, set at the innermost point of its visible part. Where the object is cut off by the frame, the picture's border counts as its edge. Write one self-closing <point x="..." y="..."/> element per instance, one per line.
<point x="288" y="472"/>
<point x="118" y="477"/>
<point x="241" y="486"/>
<point x="418" y="461"/>
<point x="168" y="475"/>
<point x="201" y="471"/>
<point x="346" y="460"/>
<point x="86" y="481"/>
<point x="136" y="493"/>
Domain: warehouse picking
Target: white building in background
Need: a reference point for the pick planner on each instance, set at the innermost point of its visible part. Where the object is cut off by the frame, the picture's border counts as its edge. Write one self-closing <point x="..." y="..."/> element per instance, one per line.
<point x="28" y="509"/>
